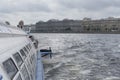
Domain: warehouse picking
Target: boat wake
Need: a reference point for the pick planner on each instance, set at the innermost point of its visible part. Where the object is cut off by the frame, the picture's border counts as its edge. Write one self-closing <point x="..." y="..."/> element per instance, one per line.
<point x="82" y="57"/>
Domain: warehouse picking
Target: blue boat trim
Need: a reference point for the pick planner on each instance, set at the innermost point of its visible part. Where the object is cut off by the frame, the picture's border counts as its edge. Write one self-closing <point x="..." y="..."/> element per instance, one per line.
<point x="39" y="68"/>
<point x="1" y="77"/>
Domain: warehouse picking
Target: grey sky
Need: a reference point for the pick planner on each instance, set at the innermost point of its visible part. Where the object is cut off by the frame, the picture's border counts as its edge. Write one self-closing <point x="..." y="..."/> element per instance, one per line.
<point x="32" y="11"/>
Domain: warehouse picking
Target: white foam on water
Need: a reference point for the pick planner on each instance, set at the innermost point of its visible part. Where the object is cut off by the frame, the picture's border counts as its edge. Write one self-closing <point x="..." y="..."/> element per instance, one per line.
<point x="84" y="72"/>
<point x="112" y="78"/>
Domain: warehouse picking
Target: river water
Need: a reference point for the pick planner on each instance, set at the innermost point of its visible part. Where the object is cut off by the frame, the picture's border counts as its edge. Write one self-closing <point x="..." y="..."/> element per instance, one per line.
<point x="81" y="56"/>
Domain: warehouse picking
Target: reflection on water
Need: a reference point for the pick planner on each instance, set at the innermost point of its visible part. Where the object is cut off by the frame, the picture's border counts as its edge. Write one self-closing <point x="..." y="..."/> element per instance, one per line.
<point x="82" y="56"/>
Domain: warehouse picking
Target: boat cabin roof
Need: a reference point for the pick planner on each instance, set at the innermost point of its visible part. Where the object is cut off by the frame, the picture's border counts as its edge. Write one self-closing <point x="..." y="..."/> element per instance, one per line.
<point x="7" y="30"/>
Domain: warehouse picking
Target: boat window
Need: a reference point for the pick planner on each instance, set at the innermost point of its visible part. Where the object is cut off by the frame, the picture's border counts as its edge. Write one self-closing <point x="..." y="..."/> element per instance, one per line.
<point x="25" y="50"/>
<point x="28" y="47"/>
<point x="25" y="73"/>
<point x="19" y="77"/>
<point x="31" y="76"/>
<point x="18" y="59"/>
<point x="28" y="66"/>
<point x="23" y="53"/>
<point x="31" y="59"/>
<point x="10" y="68"/>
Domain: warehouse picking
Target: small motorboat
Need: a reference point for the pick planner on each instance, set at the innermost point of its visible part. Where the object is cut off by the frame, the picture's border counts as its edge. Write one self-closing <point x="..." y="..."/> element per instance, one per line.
<point x="45" y="52"/>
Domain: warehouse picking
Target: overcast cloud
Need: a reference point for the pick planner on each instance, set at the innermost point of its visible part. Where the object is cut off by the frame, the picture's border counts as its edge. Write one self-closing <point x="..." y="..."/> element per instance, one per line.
<point x="32" y="11"/>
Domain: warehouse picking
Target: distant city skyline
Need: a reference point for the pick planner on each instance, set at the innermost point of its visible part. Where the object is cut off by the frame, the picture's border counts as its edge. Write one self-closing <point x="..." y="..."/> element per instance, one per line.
<point x="32" y="11"/>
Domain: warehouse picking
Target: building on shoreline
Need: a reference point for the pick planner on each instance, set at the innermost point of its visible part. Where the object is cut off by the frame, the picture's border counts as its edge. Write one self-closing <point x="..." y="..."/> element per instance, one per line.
<point x="59" y="26"/>
<point x="101" y="26"/>
<point x="87" y="25"/>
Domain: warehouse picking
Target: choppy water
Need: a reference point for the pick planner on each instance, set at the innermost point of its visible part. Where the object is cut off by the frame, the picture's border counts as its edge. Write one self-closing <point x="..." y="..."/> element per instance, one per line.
<point x="82" y="56"/>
